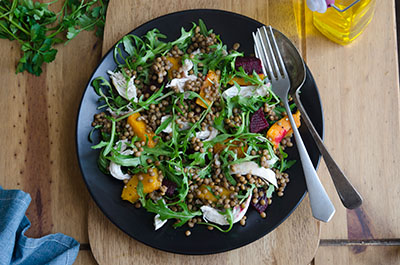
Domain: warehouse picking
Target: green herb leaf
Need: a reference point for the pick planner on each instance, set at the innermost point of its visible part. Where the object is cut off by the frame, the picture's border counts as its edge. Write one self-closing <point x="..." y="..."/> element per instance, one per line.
<point x="91" y="133"/>
<point x="203" y="28"/>
<point x="248" y="193"/>
<point x="103" y="163"/>
<point x="270" y="190"/>
<point x="163" y="125"/>
<point x="139" y="189"/>
<point x="229" y="217"/>
<point x="36" y="27"/>
<point x="124" y="160"/>
<point x="165" y="213"/>
<point x="100" y="145"/>
<point x="111" y="142"/>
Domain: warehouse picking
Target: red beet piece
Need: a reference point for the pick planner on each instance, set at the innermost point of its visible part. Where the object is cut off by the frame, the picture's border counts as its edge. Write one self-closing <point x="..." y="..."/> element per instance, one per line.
<point x="258" y="206"/>
<point x="171" y="187"/>
<point x="249" y="64"/>
<point x="258" y="121"/>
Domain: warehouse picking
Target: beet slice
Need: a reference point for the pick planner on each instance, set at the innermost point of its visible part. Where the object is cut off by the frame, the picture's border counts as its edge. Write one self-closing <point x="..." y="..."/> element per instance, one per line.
<point x="258" y="206"/>
<point x="171" y="187"/>
<point x="249" y="64"/>
<point x="258" y="121"/>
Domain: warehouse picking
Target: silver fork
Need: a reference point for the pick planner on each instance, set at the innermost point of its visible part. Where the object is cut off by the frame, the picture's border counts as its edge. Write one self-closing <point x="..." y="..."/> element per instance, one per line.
<point x="266" y="49"/>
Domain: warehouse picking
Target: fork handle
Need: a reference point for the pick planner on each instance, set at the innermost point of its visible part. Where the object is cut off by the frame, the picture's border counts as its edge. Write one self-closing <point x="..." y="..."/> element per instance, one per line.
<point x="349" y="196"/>
<point x="321" y="206"/>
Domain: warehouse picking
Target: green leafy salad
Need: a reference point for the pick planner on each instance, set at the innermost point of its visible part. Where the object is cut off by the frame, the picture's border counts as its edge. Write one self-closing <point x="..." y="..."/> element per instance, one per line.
<point x="192" y="129"/>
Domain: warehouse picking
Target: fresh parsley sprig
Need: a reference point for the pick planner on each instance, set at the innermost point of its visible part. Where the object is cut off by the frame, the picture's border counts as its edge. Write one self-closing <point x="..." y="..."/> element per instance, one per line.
<point x="38" y="29"/>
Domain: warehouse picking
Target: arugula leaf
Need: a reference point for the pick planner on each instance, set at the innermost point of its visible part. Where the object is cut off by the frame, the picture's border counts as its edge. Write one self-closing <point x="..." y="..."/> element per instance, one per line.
<point x="270" y="190"/>
<point x="205" y="171"/>
<point x="124" y="160"/>
<point x="229" y="217"/>
<point x="183" y="190"/>
<point x="161" y="208"/>
<point x="285" y="164"/>
<point x="216" y="59"/>
<point x="168" y="172"/>
<point x="91" y="133"/>
<point x="203" y="28"/>
<point x="139" y="189"/>
<point x="198" y="159"/>
<point x="225" y="169"/>
<point x="103" y="163"/>
<point x="163" y="125"/>
<point x="248" y="193"/>
<point x="162" y="149"/>
<point x="108" y="148"/>
<point x="100" y="145"/>
<point x="211" y="191"/>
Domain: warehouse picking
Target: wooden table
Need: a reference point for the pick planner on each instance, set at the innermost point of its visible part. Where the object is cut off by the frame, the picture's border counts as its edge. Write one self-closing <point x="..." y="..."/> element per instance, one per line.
<point x="359" y="88"/>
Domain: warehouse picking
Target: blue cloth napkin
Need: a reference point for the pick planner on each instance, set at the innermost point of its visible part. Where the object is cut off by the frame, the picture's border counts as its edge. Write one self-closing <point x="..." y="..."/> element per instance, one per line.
<point x="16" y="248"/>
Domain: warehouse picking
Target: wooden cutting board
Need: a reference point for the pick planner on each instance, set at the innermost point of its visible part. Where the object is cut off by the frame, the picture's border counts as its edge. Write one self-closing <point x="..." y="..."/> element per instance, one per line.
<point x="293" y="242"/>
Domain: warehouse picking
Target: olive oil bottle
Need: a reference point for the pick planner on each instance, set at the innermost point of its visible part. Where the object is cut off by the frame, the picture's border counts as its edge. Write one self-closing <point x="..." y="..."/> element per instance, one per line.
<point x="344" y="20"/>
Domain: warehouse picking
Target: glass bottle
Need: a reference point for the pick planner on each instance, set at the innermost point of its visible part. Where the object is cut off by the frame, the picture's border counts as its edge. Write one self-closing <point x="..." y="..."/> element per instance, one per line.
<point x="344" y="20"/>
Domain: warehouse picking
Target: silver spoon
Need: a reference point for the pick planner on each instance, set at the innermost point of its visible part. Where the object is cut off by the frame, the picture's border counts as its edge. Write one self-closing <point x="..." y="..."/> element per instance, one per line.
<point x="267" y="50"/>
<point x="349" y="196"/>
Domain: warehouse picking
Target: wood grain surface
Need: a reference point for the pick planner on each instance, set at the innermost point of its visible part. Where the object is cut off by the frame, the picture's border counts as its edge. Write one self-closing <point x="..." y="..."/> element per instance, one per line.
<point x="38" y="135"/>
<point x="387" y="255"/>
<point x="299" y="234"/>
<point x="85" y="257"/>
<point x="300" y="240"/>
<point x="359" y="88"/>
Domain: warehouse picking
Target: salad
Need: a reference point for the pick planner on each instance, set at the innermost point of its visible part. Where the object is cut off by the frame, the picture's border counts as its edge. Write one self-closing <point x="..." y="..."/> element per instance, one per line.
<point x="191" y="129"/>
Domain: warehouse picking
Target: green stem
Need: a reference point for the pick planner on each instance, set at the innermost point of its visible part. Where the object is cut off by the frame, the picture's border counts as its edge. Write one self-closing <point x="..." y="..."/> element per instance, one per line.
<point x="140" y="109"/>
<point x="91" y="25"/>
<point x="11" y="34"/>
<point x="61" y="12"/>
<point x="13" y="6"/>
<point x="19" y="27"/>
<point x="60" y="29"/>
<point x="5" y="14"/>
<point x="52" y="2"/>
<point x="129" y="114"/>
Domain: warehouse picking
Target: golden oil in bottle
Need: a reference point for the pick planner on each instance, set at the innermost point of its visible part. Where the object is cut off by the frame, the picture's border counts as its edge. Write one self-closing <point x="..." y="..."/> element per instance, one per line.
<point x="344" y="27"/>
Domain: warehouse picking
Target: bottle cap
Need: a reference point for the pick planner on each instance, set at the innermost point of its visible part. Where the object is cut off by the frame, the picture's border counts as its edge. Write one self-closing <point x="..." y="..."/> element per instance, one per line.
<point x="319" y="5"/>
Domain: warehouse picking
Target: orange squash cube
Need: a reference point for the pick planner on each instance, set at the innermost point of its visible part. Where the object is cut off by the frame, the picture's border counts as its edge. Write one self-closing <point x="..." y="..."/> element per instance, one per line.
<point x="139" y="128"/>
<point x="207" y="195"/>
<point x="282" y="128"/>
<point x="150" y="184"/>
<point x="211" y="79"/>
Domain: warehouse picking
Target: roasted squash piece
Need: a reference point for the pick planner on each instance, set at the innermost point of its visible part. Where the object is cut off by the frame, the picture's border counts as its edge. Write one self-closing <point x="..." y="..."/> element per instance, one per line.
<point x="176" y="64"/>
<point x="150" y="184"/>
<point x="208" y="195"/>
<point x="282" y="128"/>
<point x="139" y="128"/>
<point x="211" y="79"/>
<point x="218" y="147"/>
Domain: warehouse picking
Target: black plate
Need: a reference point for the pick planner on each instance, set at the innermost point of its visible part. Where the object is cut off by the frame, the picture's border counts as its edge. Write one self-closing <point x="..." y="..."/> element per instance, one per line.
<point x="106" y="190"/>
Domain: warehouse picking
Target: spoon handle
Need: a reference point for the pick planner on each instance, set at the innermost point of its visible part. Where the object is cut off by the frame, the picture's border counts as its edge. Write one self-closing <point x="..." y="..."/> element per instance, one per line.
<point x="321" y="206"/>
<point x="349" y="196"/>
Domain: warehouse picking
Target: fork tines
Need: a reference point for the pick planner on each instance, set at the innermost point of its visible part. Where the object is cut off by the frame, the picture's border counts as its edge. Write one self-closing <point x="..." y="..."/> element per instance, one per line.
<point x="266" y="49"/>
